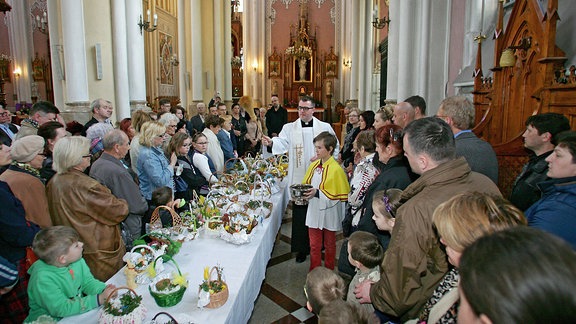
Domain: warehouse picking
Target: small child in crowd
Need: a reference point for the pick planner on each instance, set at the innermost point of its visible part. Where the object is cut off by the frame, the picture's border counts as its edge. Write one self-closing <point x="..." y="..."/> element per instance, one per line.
<point x="365" y="253"/>
<point x="61" y="283"/>
<point x="385" y="203"/>
<point x="163" y="196"/>
<point x="322" y="287"/>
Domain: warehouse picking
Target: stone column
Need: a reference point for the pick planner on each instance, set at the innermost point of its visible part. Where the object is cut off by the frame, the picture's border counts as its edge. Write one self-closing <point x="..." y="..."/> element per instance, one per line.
<point x="77" y="97"/>
<point x="135" y="48"/>
<point x="55" y="51"/>
<point x="197" y="71"/>
<point x="21" y="48"/>
<point x="120" y="50"/>
<point x="183" y="83"/>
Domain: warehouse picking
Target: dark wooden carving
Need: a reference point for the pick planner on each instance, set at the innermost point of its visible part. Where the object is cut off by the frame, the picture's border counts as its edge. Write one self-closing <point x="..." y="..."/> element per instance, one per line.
<point x="537" y="83"/>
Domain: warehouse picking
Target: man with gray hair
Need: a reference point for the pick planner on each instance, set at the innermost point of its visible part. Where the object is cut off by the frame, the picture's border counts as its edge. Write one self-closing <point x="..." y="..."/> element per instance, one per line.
<point x="111" y="171"/>
<point x="198" y="120"/>
<point x="415" y="261"/>
<point x="458" y="112"/>
<point x="101" y="113"/>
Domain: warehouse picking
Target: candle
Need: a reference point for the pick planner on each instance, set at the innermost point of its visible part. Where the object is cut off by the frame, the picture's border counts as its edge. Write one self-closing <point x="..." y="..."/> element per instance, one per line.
<point x="38" y="21"/>
<point x="155" y="20"/>
<point x="44" y="14"/>
<point x="148" y="15"/>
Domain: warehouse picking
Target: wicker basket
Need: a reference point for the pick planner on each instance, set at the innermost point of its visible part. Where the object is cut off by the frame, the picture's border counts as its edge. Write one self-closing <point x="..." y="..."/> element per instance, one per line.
<point x="171" y="298"/>
<point x="137" y="315"/>
<point x="147" y="258"/>
<point x="156" y="321"/>
<point x="217" y="299"/>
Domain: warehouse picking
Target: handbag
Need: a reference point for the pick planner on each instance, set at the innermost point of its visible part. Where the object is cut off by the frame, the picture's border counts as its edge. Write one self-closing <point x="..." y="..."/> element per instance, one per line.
<point x="347" y="221"/>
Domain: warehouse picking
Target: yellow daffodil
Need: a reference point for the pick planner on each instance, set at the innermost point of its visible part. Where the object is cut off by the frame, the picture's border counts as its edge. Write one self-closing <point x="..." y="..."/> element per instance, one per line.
<point x="180" y="280"/>
<point x="206" y="273"/>
<point x="151" y="271"/>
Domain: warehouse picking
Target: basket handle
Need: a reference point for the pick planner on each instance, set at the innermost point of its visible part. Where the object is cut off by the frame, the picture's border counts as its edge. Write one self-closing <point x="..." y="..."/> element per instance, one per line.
<point x="167" y="258"/>
<point x="218" y="277"/>
<point x="164" y="313"/>
<point x="116" y="290"/>
<point x="176" y="219"/>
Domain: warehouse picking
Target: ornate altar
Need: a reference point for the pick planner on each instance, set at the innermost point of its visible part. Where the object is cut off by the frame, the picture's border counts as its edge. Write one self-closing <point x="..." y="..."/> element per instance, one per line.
<point x="529" y="79"/>
<point x="303" y="71"/>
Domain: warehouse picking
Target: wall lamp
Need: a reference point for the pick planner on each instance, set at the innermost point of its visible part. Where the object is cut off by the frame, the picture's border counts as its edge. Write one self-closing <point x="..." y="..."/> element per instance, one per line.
<point x="17" y="72"/>
<point x="347" y="63"/>
<point x="379" y="23"/>
<point x="145" y="25"/>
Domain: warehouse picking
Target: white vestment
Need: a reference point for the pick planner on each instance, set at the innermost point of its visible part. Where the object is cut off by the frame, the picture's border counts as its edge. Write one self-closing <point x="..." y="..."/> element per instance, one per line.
<point x="298" y="142"/>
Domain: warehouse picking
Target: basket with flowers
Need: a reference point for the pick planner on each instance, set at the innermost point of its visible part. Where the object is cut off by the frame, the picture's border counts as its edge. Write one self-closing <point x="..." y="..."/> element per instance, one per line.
<point x="123" y="307"/>
<point x="212" y="293"/>
<point x="167" y="289"/>
<point x="237" y="227"/>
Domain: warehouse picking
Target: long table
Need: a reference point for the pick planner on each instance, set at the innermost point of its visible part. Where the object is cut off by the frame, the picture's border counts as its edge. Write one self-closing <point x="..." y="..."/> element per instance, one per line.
<point x="244" y="270"/>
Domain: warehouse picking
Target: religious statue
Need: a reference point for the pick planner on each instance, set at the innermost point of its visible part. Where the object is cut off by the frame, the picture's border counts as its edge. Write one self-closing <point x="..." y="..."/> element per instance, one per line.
<point x="302" y="68"/>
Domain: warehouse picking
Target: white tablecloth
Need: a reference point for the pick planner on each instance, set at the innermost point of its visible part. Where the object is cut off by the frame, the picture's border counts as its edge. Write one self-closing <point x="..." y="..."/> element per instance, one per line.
<point x="244" y="270"/>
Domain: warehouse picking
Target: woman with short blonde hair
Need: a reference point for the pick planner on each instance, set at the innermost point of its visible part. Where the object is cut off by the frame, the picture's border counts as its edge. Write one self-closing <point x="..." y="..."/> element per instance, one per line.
<point x="81" y="202"/>
<point x="153" y="168"/>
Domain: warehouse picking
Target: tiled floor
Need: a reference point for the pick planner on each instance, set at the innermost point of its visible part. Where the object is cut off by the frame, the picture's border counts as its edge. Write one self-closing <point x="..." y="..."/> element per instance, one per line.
<point x="281" y="298"/>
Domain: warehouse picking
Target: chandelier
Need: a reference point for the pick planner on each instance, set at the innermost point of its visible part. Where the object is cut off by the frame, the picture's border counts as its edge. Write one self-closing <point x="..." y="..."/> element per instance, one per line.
<point x="299" y="51"/>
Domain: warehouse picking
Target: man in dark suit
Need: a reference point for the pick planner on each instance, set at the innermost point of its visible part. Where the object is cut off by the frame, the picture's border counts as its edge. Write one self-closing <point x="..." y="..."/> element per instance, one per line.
<point x="458" y="112"/>
<point x="198" y="120"/>
<point x="7" y="129"/>
<point x="276" y="117"/>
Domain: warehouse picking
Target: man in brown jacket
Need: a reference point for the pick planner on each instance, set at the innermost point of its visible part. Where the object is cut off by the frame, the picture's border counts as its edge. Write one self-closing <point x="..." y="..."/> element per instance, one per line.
<point x="415" y="263"/>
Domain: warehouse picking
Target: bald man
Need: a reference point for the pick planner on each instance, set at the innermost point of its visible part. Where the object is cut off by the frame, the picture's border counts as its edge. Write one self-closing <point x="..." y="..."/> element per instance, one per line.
<point x="404" y="113"/>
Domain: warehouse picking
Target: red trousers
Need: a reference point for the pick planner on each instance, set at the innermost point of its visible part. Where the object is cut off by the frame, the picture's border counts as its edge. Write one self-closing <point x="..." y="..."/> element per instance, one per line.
<point x="316" y="238"/>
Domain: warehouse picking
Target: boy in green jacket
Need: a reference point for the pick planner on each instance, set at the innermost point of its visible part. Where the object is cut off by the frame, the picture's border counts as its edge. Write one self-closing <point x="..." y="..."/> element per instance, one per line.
<point x="61" y="283"/>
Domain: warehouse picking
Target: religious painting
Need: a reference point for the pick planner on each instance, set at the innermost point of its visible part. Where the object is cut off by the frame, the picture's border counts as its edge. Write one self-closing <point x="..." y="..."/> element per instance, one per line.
<point x="38" y="68"/>
<point x="331" y="64"/>
<point x="302" y="69"/>
<point x="275" y="66"/>
<point x="166" y="54"/>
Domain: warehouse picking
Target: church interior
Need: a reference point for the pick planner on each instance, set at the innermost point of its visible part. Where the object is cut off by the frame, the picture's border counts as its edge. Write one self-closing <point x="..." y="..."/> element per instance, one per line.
<point x="511" y="58"/>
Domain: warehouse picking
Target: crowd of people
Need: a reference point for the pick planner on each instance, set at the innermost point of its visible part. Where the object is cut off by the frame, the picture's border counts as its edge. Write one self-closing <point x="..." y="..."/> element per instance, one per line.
<point x="415" y="197"/>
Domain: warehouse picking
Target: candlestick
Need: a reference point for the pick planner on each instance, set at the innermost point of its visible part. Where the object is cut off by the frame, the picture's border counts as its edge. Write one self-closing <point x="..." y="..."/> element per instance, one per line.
<point x="155" y="20"/>
<point x="148" y="15"/>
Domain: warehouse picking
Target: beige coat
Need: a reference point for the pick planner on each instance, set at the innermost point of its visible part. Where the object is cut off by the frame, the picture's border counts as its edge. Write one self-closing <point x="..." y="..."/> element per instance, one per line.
<point x="78" y="201"/>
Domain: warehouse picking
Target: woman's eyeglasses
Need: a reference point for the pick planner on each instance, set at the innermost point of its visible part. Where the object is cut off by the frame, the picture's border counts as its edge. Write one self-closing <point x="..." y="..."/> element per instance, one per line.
<point x="201" y="143"/>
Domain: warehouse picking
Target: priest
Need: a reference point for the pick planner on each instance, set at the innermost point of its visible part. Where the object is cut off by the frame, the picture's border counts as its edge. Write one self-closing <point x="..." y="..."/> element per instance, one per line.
<point x="297" y="140"/>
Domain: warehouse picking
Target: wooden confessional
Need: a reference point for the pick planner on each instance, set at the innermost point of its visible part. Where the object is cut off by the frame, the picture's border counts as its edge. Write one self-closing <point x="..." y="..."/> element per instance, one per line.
<point x="531" y="81"/>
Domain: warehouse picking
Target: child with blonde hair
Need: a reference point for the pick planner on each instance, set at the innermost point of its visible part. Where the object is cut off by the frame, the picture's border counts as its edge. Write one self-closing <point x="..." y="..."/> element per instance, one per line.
<point x="61" y="283"/>
<point x="322" y="287"/>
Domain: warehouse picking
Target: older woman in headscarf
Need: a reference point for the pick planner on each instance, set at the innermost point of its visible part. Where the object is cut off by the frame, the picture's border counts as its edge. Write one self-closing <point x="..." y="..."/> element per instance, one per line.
<point x="78" y="201"/>
<point x="23" y="178"/>
<point x="95" y="134"/>
<point x="16" y="233"/>
<point x="154" y="169"/>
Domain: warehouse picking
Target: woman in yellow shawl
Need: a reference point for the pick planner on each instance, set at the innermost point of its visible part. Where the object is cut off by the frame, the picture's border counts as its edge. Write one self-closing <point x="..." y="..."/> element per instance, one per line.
<point x="326" y="201"/>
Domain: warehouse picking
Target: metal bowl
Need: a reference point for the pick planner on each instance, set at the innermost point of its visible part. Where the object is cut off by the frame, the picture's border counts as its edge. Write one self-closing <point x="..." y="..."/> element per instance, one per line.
<point x="297" y="191"/>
